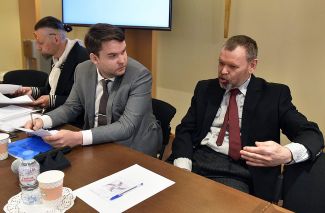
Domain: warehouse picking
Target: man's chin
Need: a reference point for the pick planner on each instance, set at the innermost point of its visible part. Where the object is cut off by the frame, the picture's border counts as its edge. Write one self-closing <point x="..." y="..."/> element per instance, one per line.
<point x="46" y="56"/>
<point x="225" y="86"/>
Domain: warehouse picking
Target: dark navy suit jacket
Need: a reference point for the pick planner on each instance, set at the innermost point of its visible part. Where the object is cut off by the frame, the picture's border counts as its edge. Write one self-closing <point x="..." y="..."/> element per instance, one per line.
<point x="267" y="110"/>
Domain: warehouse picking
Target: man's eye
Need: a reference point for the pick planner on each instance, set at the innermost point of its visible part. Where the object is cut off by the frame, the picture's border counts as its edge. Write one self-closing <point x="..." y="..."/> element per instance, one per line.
<point x="112" y="56"/>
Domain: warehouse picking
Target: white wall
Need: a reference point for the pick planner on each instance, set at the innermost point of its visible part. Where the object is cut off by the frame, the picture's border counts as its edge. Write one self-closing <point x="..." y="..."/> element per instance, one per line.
<point x="290" y="35"/>
<point x="10" y="54"/>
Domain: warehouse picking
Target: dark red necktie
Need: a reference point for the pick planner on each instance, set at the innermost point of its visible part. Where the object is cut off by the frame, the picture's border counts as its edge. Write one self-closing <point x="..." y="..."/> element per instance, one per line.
<point x="231" y="123"/>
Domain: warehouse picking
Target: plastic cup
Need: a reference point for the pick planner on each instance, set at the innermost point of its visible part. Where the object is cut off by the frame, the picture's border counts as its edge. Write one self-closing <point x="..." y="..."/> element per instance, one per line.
<point x="4" y="140"/>
<point x="51" y="186"/>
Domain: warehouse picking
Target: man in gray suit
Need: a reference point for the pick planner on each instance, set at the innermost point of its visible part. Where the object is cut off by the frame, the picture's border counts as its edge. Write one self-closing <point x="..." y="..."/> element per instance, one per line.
<point x="115" y="93"/>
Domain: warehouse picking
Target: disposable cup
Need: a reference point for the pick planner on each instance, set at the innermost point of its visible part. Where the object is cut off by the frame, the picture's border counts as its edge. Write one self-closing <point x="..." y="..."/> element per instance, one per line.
<point x="4" y="140"/>
<point x="51" y="185"/>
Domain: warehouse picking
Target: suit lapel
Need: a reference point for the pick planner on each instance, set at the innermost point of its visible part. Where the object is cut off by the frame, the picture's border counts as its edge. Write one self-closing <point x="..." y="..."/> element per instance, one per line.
<point x="91" y="93"/>
<point x="214" y="97"/>
<point x="112" y="93"/>
<point x="253" y="95"/>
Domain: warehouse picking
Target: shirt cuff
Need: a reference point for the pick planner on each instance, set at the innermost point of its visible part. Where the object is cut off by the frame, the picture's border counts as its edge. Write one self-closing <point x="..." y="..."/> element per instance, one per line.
<point x="183" y="163"/>
<point x="52" y="99"/>
<point x="35" y="92"/>
<point x="47" y="121"/>
<point x="299" y="152"/>
<point x="87" y="137"/>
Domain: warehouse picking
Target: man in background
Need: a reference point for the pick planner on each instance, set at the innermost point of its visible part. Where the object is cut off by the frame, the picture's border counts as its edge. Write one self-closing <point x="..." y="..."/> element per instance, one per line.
<point x="231" y="132"/>
<point x="52" y="42"/>
<point x="115" y="93"/>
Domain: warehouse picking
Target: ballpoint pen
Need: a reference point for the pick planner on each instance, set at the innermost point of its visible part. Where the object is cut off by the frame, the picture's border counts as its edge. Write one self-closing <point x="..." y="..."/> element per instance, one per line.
<point x="122" y="193"/>
<point x="31" y="117"/>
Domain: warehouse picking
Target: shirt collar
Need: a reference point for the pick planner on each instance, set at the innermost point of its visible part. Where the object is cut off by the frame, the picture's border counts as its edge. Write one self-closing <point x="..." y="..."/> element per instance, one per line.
<point x="100" y="77"/>
<point x="242" y="88"/>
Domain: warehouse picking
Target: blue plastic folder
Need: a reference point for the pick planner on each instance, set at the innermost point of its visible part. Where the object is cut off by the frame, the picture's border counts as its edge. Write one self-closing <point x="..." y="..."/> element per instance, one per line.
<point x="34" y="143"/>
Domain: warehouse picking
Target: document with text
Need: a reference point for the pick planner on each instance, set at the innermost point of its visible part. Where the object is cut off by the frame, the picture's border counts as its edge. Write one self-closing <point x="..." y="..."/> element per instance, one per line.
<point x="122" y="190"/>
<point x="12" y="117"/>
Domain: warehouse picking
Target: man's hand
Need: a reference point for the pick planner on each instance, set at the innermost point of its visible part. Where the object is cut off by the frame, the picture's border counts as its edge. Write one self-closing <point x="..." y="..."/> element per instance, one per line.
<point x="35" y="124"/>
<point x="42" y="101"/>
<point x="23" y="91"/>
<point x="65" y="138"/>
<point x="267" y="154"/>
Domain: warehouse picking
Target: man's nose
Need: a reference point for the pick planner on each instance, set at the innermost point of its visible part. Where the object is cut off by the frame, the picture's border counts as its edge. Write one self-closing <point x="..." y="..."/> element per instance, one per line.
<point x="223" y="70"/>
<point x="121" y="59"/>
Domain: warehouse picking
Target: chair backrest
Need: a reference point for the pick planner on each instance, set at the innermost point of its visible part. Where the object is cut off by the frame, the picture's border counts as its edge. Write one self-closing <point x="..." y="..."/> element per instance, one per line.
<point x="164" y="112"/>
<point x="30" y="78"/>
<point x="304" y="186"/>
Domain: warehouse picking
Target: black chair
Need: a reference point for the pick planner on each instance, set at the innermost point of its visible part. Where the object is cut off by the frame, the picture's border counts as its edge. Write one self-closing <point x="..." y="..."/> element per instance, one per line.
<point x="29" y="78"/>
<point x="304" y="186"/>
<point x="164" y="112"/>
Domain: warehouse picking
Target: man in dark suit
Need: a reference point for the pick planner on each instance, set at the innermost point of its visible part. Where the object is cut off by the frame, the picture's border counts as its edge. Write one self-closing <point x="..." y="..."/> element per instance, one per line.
<point x="115" y="93"/>
<point x="66" y="54"/>
<point x="246" y="153"/>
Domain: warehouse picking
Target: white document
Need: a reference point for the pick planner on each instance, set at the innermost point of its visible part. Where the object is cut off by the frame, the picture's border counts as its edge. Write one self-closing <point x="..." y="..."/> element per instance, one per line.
<point x="122" y="190"/>
<point x="9" y="88"/>
<point x="12" y="117"/>
<point x="24" y="99"/>
<point x="40" y="132"/>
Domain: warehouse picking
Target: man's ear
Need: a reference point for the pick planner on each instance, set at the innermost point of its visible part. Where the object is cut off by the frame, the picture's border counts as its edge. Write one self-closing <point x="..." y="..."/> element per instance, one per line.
<point x="252" y="66"/>
<point x="93" y="58"/>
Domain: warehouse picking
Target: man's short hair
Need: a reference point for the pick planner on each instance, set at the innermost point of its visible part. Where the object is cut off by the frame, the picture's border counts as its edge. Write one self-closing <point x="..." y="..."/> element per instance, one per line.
<point x="244" y="41"/>
<point x="53" y="23"/>
<point x="100" y="33"/>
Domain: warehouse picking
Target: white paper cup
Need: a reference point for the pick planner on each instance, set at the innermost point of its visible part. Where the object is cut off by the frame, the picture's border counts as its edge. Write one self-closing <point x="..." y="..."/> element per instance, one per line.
<point x="51" y="185"/>
<point x="4" y="140"/>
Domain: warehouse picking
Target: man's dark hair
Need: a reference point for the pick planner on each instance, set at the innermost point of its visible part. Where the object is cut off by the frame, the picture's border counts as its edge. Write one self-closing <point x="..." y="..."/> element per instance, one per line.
<point x="244" y="41"/>
<point x="100" y="33"/>
<point x="53" y="23"/>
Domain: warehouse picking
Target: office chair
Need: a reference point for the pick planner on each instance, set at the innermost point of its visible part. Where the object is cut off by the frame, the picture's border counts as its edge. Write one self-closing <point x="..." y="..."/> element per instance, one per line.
<point x="164" y="112"/>
<point x="304" y="186"/>
<point x="30" y="78"/>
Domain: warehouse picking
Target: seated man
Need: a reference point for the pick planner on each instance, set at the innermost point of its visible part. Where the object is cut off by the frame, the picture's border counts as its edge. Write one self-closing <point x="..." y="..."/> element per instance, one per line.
<point x="66" y="54"/>
<point x="231" y="132"/>
<point x="115" y="93"/>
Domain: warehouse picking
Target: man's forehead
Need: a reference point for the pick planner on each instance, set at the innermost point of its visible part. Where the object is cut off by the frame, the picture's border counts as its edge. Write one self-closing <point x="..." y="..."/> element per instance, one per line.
<point x="238" y="51"/>
<point x="43" y="32"/>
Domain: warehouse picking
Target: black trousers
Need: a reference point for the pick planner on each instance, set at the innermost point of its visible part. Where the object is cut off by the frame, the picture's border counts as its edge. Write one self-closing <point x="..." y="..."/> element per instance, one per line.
<point x="221" y="168"/>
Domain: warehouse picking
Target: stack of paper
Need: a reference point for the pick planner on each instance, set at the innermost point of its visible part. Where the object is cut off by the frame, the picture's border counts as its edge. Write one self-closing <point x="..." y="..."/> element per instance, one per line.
<point x="9" y="88"/>
<point x="12" y="117"/>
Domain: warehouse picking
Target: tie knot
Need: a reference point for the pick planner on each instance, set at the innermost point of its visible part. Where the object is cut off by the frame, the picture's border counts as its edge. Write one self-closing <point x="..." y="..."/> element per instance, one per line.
<point x="234" y="92"/>
<point x="105" y="82"/>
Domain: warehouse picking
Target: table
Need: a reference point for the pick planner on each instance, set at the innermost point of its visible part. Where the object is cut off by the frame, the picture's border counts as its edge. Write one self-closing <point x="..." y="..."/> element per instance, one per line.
<point x="190" y="193"/>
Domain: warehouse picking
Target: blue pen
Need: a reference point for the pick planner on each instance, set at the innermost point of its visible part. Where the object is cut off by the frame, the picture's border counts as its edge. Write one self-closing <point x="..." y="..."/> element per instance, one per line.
<point x="122" y="193"/>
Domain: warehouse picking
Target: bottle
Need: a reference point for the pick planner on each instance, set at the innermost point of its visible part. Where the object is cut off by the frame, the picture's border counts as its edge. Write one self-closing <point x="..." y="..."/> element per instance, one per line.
<point x="28" y="171"/>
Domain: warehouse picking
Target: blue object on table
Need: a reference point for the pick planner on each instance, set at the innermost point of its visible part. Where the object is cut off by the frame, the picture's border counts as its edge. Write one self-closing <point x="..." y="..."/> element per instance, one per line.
<point x="36" y="144"/>
<point x="122" y="193"/>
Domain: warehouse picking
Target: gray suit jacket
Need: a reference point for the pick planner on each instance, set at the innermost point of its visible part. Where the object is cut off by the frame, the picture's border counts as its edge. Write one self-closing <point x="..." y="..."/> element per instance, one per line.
<point x="129" y="108"/>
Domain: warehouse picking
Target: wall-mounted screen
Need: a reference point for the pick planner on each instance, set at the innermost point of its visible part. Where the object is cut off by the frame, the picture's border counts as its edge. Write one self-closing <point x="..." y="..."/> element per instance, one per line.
<point x="147" y="14"/>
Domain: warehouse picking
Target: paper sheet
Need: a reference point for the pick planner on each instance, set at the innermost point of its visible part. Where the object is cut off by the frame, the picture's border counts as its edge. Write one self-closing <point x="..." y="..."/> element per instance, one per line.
<point x="8" y="88"/>
<point x="40" y="133"/>
<point x="140" y="184"/>
<point x="13" y="116"/>
<point x="24" y="99"/>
